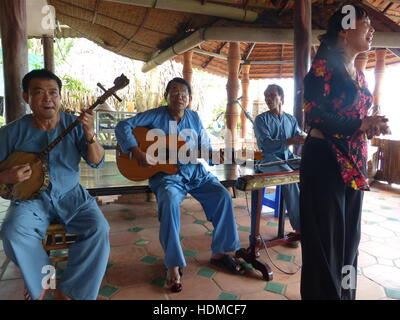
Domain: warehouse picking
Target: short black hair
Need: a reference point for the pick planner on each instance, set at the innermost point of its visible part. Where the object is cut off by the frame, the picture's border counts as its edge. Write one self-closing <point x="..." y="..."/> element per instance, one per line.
<point x="277" y="87"/>
<point x="39" y="74"/>
<point x="178" y="80"/>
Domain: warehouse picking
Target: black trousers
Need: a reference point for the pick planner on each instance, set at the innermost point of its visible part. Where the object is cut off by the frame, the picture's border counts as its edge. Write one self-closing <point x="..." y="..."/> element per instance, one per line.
<point x="330" y="215"/>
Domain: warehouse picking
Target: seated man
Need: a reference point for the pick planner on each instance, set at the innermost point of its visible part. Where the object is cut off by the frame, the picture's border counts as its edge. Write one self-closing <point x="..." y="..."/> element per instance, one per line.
<point x="65" y="199"/>
<point x="275" y="131"/>
<point x="170" y="190"/>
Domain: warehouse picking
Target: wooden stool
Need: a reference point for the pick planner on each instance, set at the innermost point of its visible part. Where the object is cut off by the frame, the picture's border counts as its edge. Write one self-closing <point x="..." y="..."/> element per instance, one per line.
<point x="57" y="239"/>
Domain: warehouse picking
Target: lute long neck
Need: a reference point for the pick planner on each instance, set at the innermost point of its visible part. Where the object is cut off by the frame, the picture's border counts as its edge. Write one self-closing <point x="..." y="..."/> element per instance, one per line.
<point x="71" y="127"/>
<point x="119" y="83"/>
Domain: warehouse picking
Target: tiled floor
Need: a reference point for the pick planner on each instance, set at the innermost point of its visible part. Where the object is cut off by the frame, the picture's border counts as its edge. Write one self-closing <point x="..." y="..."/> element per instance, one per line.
<point x="136" y="268"/>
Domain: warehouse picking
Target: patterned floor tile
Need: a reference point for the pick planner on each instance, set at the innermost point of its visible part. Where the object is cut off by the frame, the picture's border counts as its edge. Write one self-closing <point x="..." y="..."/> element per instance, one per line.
<point x="228" y="296"/>
<point x="108" y="291"/>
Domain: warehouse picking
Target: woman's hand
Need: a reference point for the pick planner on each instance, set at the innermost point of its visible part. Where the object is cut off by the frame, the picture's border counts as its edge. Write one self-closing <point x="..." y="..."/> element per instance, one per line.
<point x="375" y="126"/>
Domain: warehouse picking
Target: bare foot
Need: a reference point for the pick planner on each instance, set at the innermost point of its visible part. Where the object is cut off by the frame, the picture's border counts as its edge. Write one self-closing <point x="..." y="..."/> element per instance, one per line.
<point x="59" y="295"/>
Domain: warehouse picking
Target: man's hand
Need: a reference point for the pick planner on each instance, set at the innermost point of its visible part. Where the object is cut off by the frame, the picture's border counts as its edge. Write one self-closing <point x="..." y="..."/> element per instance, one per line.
<point x="87" y="120"/>
<point x="142" y="158"/>
<point x="296" y="140"/>
<point x="16" y="174"/>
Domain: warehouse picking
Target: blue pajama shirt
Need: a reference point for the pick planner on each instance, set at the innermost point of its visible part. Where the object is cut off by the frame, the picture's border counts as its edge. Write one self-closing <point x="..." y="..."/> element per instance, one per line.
<point x="271" y="134"/>
<point x="192" y="178"/>
<point x="65" y="199"/>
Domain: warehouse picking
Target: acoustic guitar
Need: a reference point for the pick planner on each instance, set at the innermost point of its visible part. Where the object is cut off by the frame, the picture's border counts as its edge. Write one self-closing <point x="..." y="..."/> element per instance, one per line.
<point x="130" y="168"/>
<point x="39" y="180"/>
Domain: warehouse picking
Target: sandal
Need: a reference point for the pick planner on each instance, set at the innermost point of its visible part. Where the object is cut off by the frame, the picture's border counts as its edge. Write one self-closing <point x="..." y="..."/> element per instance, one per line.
<point x="228" y="263"/>
<point x="174" y="284"/>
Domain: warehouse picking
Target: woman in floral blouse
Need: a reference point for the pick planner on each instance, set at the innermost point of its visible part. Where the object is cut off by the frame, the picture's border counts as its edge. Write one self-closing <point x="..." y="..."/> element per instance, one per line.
<point x="333" y="169"/>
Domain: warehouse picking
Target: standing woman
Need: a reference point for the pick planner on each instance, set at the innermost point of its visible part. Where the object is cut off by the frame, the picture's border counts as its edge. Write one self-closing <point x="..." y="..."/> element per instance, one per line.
<point x="333" y="169"/>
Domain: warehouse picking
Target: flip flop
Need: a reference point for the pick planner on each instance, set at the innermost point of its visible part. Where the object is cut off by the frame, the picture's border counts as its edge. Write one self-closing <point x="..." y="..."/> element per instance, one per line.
<point x="174" y="284"/>
<point x="228" y="263"/>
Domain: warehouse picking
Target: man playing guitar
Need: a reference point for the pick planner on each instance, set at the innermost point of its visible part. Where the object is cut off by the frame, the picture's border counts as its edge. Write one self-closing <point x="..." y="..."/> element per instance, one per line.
<point x="192" y="178"/>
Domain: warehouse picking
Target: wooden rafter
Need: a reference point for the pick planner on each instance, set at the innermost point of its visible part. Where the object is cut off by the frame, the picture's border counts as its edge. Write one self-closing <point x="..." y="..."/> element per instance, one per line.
<point x="96" y="7"/>
<point x="375" y="14"/>
<point x="387" y="7"/>
<point x="205" y="64"/>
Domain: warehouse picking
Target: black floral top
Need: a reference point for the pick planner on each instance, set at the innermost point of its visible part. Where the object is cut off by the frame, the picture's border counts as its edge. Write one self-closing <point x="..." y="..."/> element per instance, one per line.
<point x="339" y="122"/>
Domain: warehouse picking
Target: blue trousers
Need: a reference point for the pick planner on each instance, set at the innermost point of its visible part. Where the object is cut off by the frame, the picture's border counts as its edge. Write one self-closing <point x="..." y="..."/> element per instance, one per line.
<point x="216" y="202"/>
<point x="290" y="194"/>
<point x="25" y="226"/>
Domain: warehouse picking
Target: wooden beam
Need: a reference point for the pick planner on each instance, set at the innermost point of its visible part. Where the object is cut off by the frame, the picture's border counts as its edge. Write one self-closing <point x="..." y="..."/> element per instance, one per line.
<point x="375" y="14"/>
<point x="218" y="51"/>
<point x="245" y="98"/>
<point x="232" y="88"/>
<point x="96" y="7"/>
<point x="14" y="41"/>
<point x="387" y="7"/>
<point x="48" y="52"/>
<point x="187" y="68"/>
<point x="302" y="42"/>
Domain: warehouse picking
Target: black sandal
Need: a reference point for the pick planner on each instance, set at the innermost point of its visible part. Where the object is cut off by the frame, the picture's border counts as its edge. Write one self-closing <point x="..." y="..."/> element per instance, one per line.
<point x="228" y="263"/>
<point x="174" y="284"/>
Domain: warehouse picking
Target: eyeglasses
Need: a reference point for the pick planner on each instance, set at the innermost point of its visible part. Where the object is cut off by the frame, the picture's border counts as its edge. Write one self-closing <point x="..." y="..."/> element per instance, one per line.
<point x="183" y="94"/>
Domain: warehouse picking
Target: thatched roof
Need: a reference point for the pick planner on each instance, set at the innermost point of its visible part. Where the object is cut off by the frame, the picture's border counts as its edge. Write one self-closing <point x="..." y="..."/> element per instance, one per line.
<point x="139" y="32"/>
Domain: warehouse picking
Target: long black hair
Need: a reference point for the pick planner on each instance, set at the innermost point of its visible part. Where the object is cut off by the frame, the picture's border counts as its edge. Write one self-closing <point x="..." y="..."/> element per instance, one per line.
<point x="342" y="83"/>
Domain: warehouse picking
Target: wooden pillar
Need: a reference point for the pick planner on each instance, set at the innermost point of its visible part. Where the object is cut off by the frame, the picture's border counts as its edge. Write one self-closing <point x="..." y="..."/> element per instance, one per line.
<point x="361" y="61"/>
<point x="380" y="55"/>
<point x="187" y="69"/>
<point x="14" y="41"/>
<point x="232" y="88"/>
<point x="48" y="52"/>
<point x="302" y="62"/>
<point x="245" y="97"/>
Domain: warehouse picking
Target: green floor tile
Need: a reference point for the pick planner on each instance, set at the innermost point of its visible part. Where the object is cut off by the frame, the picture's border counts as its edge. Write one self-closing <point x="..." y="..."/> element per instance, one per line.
<point x="243" y="228"/>
<point x="129" y="219"/>
<point x="125" y="210"/>
<point x="386" y="208"/>
<point x="181" y="238"/>
<point x="275" y="287"/>
<point x="370" y="222"/>
<point x="228" y="296"/>
<point x="272" y="224"/>
<point x="109" y="265"/>
<point x="199" y="221"/>
<point x="136" y="229"/>
<point x="393" y="219"/>
<point x="159" y="282"/>
<point x="393" y="293"/>
<point x="285" y="257"/>
<point x="149" y="259"/>
<point x="204" y="272"/>
<point x="241" y="207"/>
<point x="107" y="291"/>
<point x="190" y="253"/>
<point x="142" y="242"/>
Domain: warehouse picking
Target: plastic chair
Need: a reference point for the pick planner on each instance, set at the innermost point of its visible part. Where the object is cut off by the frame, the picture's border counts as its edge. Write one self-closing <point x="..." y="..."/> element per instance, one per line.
<point x="273" y="200"/>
